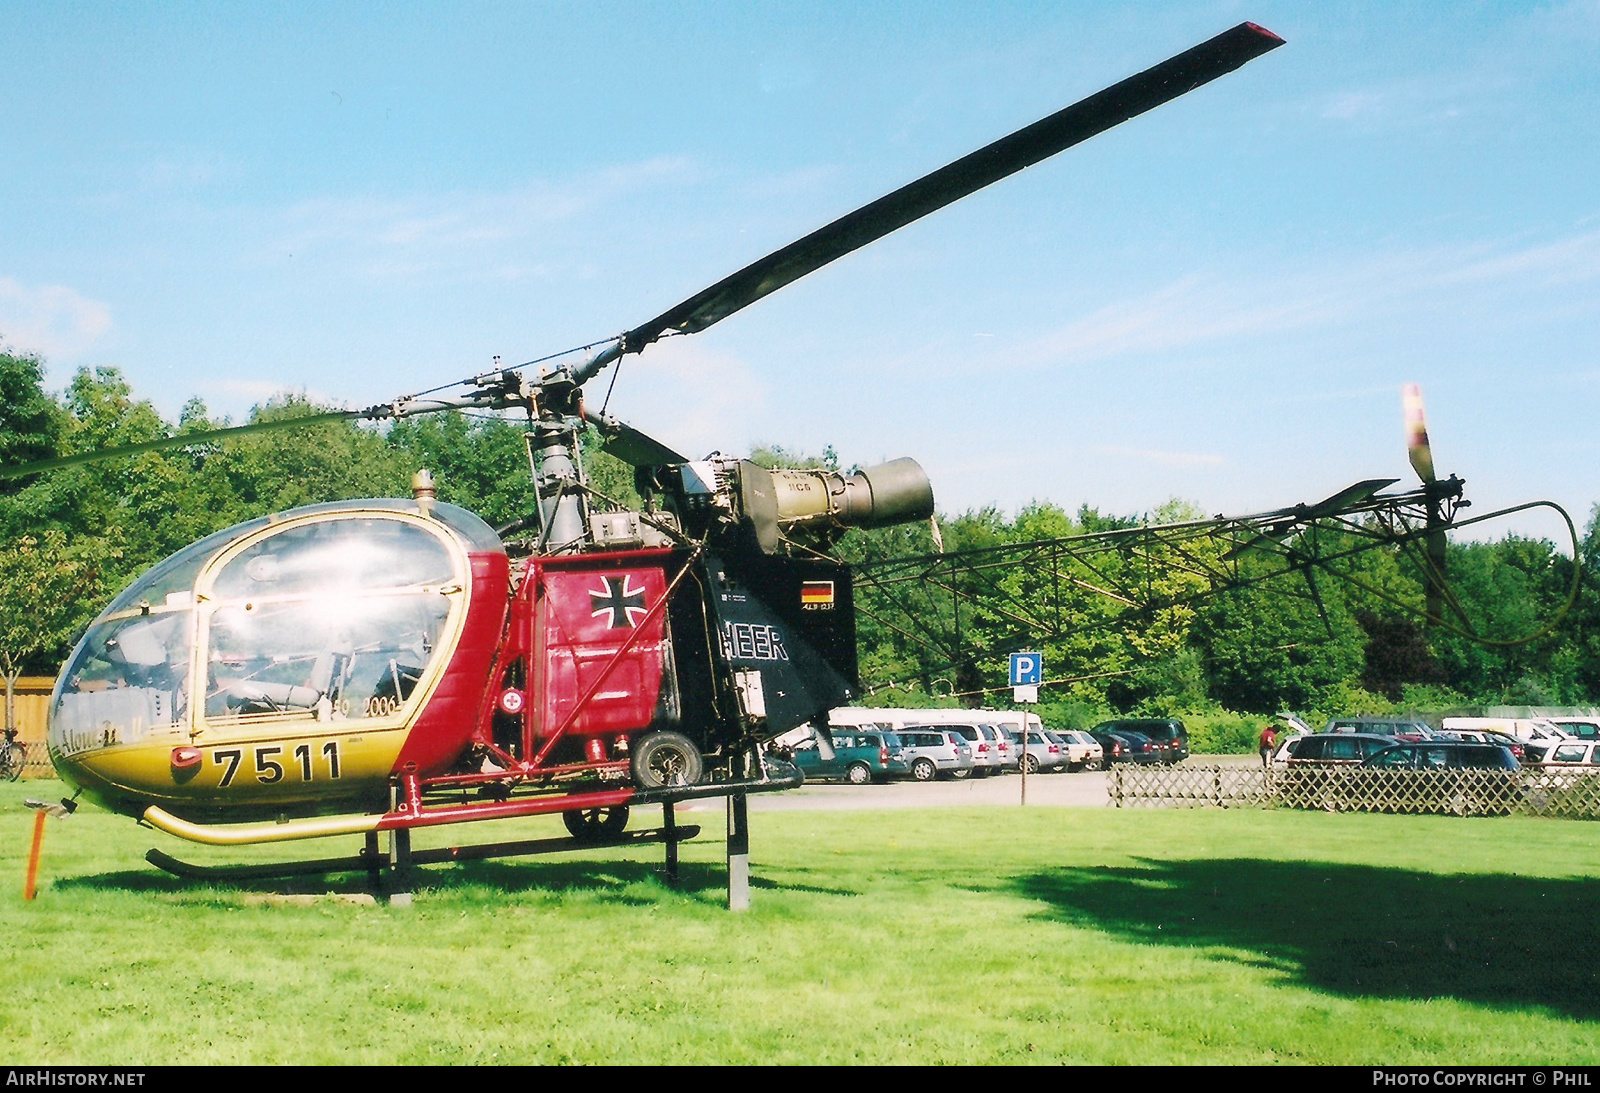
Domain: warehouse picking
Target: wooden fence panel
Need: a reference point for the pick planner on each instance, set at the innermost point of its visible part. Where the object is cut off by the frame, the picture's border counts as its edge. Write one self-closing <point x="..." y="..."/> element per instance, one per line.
<point x="33" y="712"/>
<point x="1570" y="792"/>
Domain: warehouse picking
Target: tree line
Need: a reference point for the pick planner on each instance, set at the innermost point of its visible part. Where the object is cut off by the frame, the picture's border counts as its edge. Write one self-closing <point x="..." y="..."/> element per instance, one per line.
<point x="70" y="538"/>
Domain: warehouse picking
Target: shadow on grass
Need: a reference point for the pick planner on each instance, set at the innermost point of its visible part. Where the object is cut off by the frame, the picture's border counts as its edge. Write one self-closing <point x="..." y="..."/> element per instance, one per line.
<point x="123" y="880"/>
<point x="625" y="882"/>
<point x="1356" y="930"/>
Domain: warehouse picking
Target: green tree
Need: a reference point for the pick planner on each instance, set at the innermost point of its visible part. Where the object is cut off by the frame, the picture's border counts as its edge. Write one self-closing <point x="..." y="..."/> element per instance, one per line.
<point x="1583" y="625"/>
<point x="1269" y="648"/>
<point x="48" y="589"/>
<point x="1508" y="590"/>
<point x="30" y="420"/>
<point x="480" y="464"/>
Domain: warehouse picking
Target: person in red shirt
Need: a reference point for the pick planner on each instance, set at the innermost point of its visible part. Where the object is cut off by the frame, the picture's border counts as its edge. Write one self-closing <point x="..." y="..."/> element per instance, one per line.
<point x="1268" y="743"/>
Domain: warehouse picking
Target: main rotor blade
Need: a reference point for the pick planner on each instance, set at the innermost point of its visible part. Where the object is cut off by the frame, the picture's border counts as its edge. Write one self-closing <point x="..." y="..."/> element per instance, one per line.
<point x="1116" y="104"/>
<point x="629" y="444"/>
<point x="182" y="440"/>
<point x="640" y="450"/>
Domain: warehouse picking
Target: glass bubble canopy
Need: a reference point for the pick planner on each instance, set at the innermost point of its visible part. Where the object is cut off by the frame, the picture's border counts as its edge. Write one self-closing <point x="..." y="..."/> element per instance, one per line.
<point x="332" y="613"/>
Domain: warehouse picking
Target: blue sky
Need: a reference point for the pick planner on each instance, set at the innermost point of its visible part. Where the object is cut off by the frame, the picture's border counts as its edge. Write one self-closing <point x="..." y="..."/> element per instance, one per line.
<point x="1217" y="301"/>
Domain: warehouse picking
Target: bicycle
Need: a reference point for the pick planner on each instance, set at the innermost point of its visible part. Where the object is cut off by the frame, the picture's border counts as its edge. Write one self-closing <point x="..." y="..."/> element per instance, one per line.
<point x="13" y="757"/>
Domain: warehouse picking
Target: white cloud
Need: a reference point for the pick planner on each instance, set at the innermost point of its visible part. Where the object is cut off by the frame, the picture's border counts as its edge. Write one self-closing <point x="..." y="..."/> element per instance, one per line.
<point x="1414" y="101"/>
<point x="1348" y="105"/>
<point x="1192" y="310"/>
<point x="441" y="229"/>
<point x="1199" y="309"/>
<point x="786" y="75"/>
<point x="1166" y="459"/>
<point x="181" y="172"/>
<point x="694" y="400"/>
<point x="802" y="181"/>
<point x="52" y="320"/>
<point x="1564" y="262"/>
<point x="263" y="390"/>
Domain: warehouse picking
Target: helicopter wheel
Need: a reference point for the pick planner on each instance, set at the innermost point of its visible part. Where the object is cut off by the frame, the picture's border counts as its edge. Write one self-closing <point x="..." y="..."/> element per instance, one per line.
<point x="666" y="759"/>
<point x="594" y="823"/>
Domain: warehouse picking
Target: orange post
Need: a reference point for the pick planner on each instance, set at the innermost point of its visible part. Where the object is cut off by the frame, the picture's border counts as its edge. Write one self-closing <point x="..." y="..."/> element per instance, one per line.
<point x="33" y="855"/>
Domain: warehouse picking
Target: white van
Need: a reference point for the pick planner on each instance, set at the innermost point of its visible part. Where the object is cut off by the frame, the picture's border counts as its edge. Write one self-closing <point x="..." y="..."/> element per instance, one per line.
<point x="862" y="715"/>
<point x="867" y="719"/>
<point x="1538" y="735"/>
<point x="895" y="719"/>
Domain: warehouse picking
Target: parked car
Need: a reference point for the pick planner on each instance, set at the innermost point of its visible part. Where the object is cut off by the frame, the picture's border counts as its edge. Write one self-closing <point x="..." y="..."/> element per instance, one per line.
<point x="1572" y="753"/>
<point x="1570" y="765"/>
<point x="1010" y="756"/>
<point x="1113" y="748"/>
<point x="859" y="757"/>
<point x="1043" y="754"/>
<point x="1127" y="746"/>
<point x="1444" y="755"/>
<point x="1537" y="734"/>
<point x="1083" y="751"/>
<point x="1168" y="733"/>
<point x="1483" y="779"/>
<point x="1405" y="729"/>
<point x="1584" y="728"/>
<point x="985" y="742"/>
<point x="1480" y="736"/>
<point x="1280" y="758"/>
<point x="1311" y="765"/>
<point x="1330" y="749"/>
<point x="932" y="750"/>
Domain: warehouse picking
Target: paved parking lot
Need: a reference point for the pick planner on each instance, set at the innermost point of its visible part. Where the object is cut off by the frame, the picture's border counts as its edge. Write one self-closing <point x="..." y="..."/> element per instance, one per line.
<point x="1083" y="790"/>
<point x="1043" y="789"/>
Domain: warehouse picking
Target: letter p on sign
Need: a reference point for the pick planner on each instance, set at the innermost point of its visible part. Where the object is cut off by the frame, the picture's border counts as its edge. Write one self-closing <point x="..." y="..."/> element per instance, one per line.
<point x="1027" y="669"/>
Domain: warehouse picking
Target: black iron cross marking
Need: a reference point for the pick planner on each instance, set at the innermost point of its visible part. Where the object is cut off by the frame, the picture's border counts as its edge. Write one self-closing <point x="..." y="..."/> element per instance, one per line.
<point x="619" y="600"/>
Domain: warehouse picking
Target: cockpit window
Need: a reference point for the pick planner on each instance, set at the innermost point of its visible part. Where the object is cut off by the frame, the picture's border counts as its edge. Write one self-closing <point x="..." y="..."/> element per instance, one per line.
<point x="176" y="575"/>
<point x="336" y="557"/>
<point x="330" y="619"/>
<point x="127" y="677"/>
<point x="337" y="620"/>
<point x="349" y="657"/>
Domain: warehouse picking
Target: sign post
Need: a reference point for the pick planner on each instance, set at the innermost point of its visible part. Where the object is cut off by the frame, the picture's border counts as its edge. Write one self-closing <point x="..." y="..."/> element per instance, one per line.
<point x="1027" y="672"/>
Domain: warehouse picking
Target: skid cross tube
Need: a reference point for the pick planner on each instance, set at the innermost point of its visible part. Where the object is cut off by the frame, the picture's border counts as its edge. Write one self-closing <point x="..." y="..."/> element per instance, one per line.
<point x="672" y="835"/>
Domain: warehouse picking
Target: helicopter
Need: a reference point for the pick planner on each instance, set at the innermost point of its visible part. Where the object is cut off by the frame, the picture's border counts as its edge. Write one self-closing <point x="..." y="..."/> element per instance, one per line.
<point x="386" y="665"/>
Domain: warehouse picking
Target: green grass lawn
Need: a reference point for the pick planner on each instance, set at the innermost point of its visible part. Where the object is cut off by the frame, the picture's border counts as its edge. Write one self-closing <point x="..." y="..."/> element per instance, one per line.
<point x="950" y="935"/>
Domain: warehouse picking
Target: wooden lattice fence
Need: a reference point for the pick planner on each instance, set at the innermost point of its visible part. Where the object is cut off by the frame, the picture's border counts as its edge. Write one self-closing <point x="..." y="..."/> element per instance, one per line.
<point x="32" y="699"/>
<point x="1573" y="793"/>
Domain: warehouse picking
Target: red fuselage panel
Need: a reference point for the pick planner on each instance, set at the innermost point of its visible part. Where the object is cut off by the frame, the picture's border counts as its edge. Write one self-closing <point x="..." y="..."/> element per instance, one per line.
<point x="597" y="636"/>
<point x="446" y="724"/>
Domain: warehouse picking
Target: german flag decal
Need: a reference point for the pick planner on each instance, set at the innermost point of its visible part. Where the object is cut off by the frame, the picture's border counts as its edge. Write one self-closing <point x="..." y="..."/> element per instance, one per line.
<point x="816" y="595"/>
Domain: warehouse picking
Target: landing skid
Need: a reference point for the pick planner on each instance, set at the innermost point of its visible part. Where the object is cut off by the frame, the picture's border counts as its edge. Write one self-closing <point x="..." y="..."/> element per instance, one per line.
<point x="391" y="873"/>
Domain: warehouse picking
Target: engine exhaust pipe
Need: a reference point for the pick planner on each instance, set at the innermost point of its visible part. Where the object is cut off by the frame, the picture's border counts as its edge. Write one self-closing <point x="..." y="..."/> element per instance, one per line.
<point x="896" y="492"/>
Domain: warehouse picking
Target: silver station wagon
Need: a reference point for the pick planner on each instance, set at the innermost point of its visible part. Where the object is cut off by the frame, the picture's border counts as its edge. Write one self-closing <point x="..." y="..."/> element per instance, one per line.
<point x="934" y="750"/>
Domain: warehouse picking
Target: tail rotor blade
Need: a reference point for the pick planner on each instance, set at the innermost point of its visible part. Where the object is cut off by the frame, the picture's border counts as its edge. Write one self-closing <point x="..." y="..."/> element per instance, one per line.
<point x="1434" y="544"/>
<point x="1417" y="432"/>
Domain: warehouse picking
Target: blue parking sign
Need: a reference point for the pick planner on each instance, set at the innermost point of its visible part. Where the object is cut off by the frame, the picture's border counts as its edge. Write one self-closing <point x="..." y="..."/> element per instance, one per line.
<point x="1027" y="669"/>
